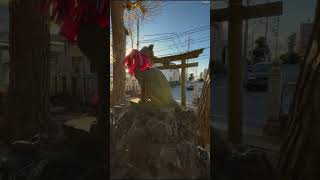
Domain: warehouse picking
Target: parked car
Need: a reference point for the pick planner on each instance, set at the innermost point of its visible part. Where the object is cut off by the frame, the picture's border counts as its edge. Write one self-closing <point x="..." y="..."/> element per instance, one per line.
<point x="190" y="85"/>
<point x="257" y="76"/>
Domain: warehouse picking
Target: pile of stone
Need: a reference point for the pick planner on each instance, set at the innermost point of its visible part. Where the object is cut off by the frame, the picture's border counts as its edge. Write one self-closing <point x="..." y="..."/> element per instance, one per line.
<point x="240" y="161"/>
<point x="149" y="142"/>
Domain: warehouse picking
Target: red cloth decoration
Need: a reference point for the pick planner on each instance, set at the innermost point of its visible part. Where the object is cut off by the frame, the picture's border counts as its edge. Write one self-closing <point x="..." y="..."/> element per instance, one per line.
<point x="70" y="13"/>
<point x="135" y="60"/>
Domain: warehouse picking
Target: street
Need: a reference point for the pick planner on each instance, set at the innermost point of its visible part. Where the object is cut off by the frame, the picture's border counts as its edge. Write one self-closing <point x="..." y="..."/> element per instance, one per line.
<point x="255" y="104"/>
<point x="176" y="92"/>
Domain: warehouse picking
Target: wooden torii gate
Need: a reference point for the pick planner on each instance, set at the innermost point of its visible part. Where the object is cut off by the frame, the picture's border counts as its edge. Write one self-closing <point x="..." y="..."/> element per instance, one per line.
<point x="234" y="14"/>
<point x="183" y="58"/>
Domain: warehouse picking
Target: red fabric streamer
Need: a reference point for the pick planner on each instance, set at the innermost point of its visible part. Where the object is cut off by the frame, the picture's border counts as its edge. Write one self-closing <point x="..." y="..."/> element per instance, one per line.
<point x="135" y="60"/>
<point x="71" y="13"/>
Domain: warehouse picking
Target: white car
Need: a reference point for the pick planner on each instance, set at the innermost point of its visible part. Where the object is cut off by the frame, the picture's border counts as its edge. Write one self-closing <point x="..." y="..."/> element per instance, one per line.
<point x="190" y="85"/>
<point x="258" y="75"/>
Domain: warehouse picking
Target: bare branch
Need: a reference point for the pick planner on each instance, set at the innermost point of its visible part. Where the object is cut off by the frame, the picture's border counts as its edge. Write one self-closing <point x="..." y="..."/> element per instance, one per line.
<point x="142" y="10"/>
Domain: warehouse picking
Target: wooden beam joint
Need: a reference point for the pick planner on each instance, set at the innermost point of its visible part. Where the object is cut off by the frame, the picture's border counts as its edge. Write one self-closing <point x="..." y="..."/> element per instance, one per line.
<point x="249" y="12"/>
<point x="178" y="66"/>
<point x="188" y="55"/>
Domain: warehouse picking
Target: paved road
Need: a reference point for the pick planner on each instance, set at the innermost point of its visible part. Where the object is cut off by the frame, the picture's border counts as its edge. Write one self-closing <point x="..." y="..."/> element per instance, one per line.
<point x="255" y="104"/>
<point x="176" y="92"/>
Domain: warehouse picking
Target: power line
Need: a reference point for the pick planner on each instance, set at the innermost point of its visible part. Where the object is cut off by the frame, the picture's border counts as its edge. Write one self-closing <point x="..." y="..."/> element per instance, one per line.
<point x="176" y="36"/>
<point x="180" y="41"/>
<point x="174" y="42"/>
<point x="167" y="38"/>
<point x="170" y="47"/>
<point x="155" y="34"/>
<point x="202" y="39"/>
<point x="175" y="32"/>
<point x="163" y="55"/>
<point x="172" y="37"/>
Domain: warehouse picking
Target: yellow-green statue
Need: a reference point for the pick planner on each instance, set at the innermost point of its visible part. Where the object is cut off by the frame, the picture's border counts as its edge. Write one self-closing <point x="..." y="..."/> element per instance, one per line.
<point x="155" y="88"/>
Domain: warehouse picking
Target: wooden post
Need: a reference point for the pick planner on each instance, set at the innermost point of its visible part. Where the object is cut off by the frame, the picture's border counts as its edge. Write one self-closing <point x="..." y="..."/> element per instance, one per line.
<point x="234" y="14"/>
<point x="246" y="33"/>
<point x="234" y="77"/>
<point x="183" y="84"/>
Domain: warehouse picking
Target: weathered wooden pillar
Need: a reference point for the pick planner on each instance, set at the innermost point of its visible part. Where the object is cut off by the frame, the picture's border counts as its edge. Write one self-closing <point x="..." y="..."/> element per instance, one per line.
<point x="235" y="75"/>
<point x="93" y="41"/>
<point x="119" y="52"/>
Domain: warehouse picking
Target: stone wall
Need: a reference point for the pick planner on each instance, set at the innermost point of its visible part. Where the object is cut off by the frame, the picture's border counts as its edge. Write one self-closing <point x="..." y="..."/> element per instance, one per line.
<point x="156" y="143"/>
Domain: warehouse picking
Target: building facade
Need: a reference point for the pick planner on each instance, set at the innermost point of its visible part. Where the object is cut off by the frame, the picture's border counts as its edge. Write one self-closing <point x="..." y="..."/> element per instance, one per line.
<point x="204" y="74"/>
<point x="71" y="73"/>
<point x="132" y="85"/>
<point x="292" y="43"/>
<point x="172" y="75"/>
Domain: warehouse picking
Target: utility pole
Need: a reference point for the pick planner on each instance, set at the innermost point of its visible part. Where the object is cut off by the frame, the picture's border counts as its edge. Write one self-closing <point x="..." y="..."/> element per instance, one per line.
<point x="188" y="51"/>
<point x="138" y="33"/>
<point x="245" y="49"/>
<point x="277" y="37"/>
<point x="245" y="43"/>
<point x="183" y="79"/>
<point x="252" y="44"/>
<point x="266" y="32"/>
<point x="189" y="44"/>
<point x="131" y="36"/>
<point x="266" y="35"/>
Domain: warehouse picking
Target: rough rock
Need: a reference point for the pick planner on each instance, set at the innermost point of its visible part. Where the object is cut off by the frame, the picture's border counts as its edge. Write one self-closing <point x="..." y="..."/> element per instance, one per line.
<point x="155" y="143"/>
<point x="240" y="162"/>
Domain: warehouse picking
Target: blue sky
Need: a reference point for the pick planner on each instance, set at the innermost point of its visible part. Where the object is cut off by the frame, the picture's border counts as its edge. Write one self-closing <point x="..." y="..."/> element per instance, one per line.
<point x="294" y="13"/>
<point x="187" y="18"/>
